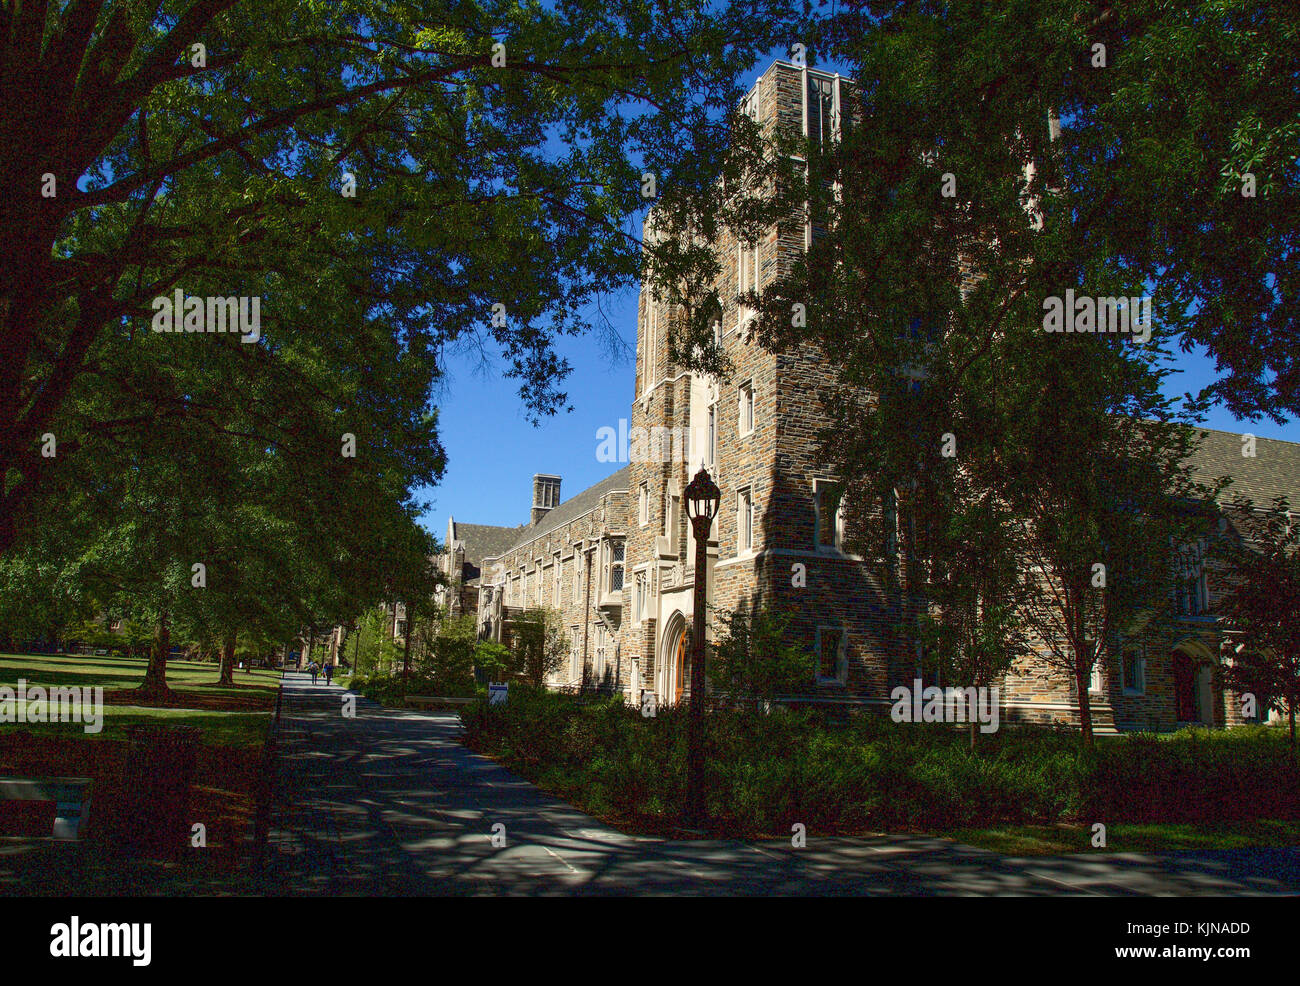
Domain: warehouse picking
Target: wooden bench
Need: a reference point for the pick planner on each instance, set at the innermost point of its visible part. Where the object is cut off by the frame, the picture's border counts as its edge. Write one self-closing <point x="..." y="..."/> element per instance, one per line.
<point x="434" y="701"/>
<point x="69" y="797"/>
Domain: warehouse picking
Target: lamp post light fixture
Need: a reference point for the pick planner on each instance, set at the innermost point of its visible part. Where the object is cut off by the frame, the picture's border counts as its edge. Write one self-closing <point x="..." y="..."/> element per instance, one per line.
<point x="702" y="499"/>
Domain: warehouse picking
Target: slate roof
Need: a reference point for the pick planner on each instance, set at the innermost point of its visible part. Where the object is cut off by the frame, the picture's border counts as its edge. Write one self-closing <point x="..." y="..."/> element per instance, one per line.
<point x="1273" y="471"/>
<point x="484" y="540"/>
<point x="570" y="509"/>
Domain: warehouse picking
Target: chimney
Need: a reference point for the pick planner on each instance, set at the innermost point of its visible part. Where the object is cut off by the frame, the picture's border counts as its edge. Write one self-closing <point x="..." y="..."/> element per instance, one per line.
<point x="546" y="496"/>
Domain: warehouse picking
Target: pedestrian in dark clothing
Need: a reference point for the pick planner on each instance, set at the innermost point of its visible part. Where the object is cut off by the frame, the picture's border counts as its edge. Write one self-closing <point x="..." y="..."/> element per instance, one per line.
<point x="329" y="674"/>
<point x="314" y="670"/>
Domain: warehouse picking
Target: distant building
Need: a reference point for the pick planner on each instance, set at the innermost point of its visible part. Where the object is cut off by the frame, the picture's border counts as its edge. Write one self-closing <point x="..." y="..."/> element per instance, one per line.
<point x="461" y="561"/>
<point x="570" y="558"/>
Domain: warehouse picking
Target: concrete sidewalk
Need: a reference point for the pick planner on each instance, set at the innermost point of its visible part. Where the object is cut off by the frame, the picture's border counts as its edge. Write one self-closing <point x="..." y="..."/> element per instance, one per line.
<point x="389" y="803"/>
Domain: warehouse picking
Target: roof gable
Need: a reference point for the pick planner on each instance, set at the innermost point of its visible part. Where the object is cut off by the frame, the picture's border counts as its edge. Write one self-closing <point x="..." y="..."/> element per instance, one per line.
<point x="570" y="509"/>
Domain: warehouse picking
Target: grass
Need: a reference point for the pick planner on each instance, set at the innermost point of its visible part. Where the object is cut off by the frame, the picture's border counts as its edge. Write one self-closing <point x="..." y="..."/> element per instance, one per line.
<point x="120" y="673"/>
<point x="240" y="729"/>
<point x="228" y="716"/>
<point x="1051" y="840"/>
<point x="228" y="775"/>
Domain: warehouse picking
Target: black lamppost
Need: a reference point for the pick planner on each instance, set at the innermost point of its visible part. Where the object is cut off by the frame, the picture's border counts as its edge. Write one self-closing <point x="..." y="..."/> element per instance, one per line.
<point x="702" y="499"/>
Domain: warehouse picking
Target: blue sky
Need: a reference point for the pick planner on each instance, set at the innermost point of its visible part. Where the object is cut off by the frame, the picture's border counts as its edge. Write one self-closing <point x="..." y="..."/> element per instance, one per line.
<point x="493" y="451"/>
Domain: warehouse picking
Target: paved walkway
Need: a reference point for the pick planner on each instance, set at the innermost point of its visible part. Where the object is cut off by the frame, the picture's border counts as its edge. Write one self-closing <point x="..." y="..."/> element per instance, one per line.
<point x="389" y="803"/>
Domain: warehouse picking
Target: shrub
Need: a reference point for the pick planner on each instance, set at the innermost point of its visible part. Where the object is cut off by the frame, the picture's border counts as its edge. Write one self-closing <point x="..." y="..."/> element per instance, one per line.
<point x="390" y="689"/>
<point x="766" y="772"/>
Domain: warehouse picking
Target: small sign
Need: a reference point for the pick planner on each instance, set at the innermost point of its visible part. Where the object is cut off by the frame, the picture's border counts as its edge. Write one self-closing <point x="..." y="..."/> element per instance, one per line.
<point x="498" y="692"/>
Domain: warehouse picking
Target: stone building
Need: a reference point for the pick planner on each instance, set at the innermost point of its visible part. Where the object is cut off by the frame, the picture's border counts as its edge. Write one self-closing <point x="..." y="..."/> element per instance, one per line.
<point x="1161" y="685"/>
<point x="571" y="558"/>
<point x="618" y="559"/>
<point x="461" y="561"/>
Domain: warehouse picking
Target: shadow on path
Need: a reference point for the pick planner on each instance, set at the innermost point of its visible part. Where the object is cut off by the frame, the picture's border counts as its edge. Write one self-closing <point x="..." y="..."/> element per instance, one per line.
<point x="388" y="803"/>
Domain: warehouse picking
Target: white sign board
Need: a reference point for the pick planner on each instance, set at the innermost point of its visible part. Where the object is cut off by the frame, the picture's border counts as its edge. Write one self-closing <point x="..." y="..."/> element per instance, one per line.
<point x="498" y="692"/>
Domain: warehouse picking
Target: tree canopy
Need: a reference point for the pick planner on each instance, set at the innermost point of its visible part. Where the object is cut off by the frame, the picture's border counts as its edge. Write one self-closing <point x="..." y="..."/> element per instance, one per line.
<point x="367" y="186"/>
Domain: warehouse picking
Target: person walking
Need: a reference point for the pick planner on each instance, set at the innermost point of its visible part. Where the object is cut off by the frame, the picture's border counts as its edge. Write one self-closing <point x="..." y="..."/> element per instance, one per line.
<point x="329" y="674"/>
<point x="313" y="669"/>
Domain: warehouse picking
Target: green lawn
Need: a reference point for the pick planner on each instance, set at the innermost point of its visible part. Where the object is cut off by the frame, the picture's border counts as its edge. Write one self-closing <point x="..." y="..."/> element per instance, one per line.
<point x="126" y="672"/>
<point x="219" y="728"/>
<point x="189" y="679"/>
<point x="224" y="789"/>
<point x="1044" y="840"/>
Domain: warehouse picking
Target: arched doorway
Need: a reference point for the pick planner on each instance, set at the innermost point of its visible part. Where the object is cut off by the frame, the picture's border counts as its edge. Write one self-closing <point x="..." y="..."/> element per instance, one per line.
<point x="674" y="659"/>
<point x="1193" y="685"/>
<point x="681" y="665"/>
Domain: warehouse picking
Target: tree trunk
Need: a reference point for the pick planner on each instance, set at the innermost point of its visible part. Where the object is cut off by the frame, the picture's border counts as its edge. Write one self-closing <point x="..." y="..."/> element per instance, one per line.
<point x="406" y="647"/>
<point x="155" y="676"/>
<point x="228" y="661"/>
<point x="1085" y="707"/>
<point x="388" y="639"/>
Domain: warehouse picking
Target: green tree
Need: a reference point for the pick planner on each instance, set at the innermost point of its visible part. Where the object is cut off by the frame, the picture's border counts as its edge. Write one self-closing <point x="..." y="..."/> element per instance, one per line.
<point x="970" y="629"/>
<point x="1147" y="173"/>
<point x="539" y="645"/>
<point x="1103" y="485"/>
<point x="214" y="542"/>
<point x="983" y="169"/>
<point x="751" y="659"/>
<point x="379" y="653"/>
<point x="491" y="659"/>
<point x="390" y="180"/>
<point x="1260" y="558"/>
<point x="447" y="653"/>
<point x="41" y="595"/>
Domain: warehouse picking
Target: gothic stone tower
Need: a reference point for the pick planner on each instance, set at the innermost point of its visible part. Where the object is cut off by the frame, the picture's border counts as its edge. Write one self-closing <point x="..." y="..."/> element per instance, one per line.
<point x="776" y="538"/>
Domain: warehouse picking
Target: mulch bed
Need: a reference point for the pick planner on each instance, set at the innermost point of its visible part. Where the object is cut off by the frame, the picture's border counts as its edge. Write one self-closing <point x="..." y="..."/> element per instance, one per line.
<point x="222" y="796"/>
